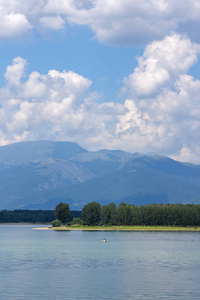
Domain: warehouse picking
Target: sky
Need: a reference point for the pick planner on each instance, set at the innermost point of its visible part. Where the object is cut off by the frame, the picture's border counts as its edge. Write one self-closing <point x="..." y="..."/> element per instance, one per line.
<point x="106" y="74"/>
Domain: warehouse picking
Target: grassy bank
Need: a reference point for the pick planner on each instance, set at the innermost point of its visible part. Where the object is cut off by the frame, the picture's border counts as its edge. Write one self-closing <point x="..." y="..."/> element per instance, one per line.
<point x="124" y="228"/>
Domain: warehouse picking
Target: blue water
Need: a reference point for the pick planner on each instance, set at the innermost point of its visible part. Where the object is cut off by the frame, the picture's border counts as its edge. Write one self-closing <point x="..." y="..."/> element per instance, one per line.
<point x="37" y="264"/>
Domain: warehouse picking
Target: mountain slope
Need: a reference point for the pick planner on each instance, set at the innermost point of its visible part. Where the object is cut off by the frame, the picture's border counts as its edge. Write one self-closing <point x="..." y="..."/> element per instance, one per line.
<point x="37" y="151"/>
<point x="41" y="174"/>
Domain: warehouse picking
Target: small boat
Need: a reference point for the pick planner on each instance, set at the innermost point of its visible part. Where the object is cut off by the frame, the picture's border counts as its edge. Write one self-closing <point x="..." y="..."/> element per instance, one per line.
<point x="104" y="240"/>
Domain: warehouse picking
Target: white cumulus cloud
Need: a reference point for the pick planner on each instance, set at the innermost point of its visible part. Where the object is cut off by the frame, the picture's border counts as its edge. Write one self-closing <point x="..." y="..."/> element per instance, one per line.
<point x="131" y="22"/>
<point x="13" y="24"/>
<point x="165" y="106"/>
<point x="41" y="106"/>
<point x="161" y="63"/>
<point x="113" y="22"/>
<point x="161" y="113"/>
<point x="16" y="71"/>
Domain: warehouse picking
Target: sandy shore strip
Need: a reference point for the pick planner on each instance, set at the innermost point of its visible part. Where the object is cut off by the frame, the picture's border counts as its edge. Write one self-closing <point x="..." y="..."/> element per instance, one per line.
<point x="120" y="228"/>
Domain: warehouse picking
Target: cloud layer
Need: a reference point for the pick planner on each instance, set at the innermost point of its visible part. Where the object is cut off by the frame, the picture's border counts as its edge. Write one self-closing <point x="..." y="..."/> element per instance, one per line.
<point x="113" y="22"/>
<point x="159" y="111"/>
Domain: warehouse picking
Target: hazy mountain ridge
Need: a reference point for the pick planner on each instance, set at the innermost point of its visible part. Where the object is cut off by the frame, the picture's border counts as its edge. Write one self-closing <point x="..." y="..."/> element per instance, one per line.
<point x="39" y="174"/>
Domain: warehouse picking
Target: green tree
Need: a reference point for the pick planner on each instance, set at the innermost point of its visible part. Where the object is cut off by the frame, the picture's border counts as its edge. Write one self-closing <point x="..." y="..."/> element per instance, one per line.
<point x="105" y="215"/>
<point x="122" y="214"/>
<point x="62" y="212"/>
<point x="112" y="214"/>
<point x="135" y="215"/>
<point x="91" y="213"/>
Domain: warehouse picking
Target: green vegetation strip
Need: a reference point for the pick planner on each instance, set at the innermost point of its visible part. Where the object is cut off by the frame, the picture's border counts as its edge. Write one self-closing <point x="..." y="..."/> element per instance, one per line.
<point x="124" y="228"/>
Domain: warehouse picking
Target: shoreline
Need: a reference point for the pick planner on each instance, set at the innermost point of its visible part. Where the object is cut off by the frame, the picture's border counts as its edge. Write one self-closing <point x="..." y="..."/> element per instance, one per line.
<point x="122" y="228"/>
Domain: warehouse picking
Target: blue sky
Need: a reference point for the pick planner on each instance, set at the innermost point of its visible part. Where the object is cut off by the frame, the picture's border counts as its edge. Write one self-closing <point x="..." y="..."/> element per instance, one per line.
<point x="77" y="51"/>
<point x="105" y="74"/>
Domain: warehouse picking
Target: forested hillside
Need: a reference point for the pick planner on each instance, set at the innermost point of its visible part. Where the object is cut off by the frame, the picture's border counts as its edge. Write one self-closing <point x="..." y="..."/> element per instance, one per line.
<point x="31" y="216"/>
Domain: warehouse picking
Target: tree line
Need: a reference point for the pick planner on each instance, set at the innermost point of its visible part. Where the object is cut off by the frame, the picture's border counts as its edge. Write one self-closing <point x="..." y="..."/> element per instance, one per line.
<point x="151" y="215"/>
<point x="131" y="215"/>
<point x="31" y="216"/>
<point x="108" y="215"/>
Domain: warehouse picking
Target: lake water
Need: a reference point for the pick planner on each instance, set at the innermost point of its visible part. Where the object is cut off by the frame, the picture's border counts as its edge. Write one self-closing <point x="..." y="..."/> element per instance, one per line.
<point x="44" y="264"/>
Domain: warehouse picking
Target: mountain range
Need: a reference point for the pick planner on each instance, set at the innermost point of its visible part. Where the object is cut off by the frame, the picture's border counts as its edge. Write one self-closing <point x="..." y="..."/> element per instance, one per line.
<point x="40" y="174"/>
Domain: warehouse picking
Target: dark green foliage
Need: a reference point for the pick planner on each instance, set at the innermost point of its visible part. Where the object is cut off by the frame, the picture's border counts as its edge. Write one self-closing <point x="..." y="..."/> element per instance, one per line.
<point x="56" y="223"/>
<point x="109" y="214"/>
<point x="31" y="216"/>
<point x="28" y="216"/>
<point x="91" y="213"/>
<point x="159" y="215"/>
<point x="104" y="215"/>
<point x="124" y="214"/>
<point x="62" y="212"/>
<point x="112" y="214"/>
<point x="145" y="215"/>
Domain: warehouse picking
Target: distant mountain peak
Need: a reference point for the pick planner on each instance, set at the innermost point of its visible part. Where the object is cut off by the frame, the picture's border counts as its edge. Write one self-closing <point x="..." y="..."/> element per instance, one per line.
<point x="37" y="174"/>
<point x="30" y="151"/>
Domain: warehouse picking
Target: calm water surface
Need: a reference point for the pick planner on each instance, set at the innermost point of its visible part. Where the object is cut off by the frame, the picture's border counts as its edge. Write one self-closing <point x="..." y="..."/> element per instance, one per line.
<point x="37" y="264"/>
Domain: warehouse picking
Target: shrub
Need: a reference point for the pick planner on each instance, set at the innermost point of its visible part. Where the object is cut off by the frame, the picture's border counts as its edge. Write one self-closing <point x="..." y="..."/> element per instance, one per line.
<point x="56" y="223"/>
<point x="76" y="221"/>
